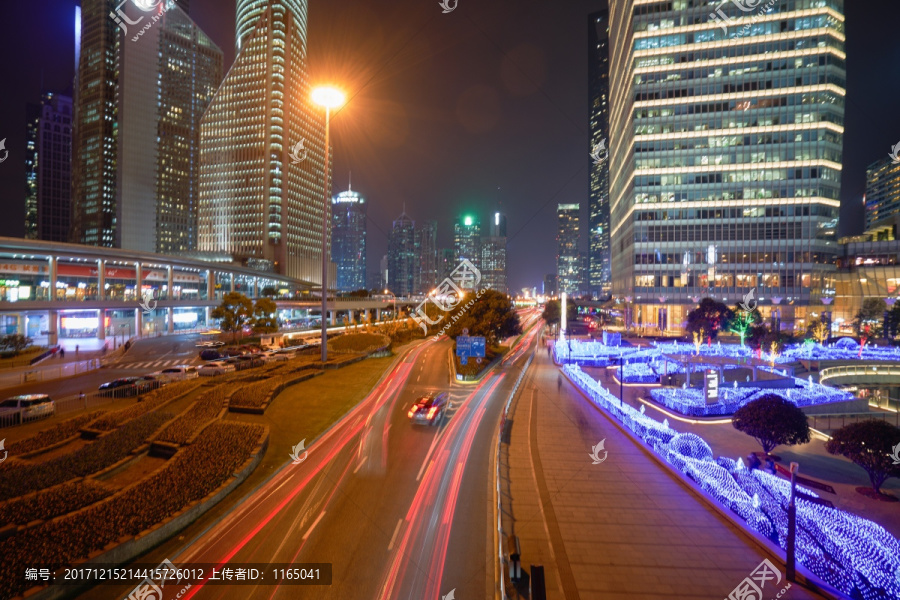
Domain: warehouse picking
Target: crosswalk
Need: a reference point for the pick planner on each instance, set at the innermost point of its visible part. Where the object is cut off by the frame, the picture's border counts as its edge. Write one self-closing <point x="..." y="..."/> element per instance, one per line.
<point x="153" y="364"/>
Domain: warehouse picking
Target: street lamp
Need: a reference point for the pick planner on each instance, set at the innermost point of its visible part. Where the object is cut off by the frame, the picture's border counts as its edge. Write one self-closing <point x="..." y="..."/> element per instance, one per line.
<point x="328" y="98"/>
<point x="394" y="313"/>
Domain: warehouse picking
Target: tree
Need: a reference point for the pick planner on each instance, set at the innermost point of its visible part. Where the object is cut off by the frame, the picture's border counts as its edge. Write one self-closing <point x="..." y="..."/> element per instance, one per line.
<point x="264" y="316"/>
<point x="818" y="330"/>
<point x="710" y="316"/>
<point x="868" y="320"/>
<point x="773" y="421"/>
<point x="16" y="341"/>
<point x="757" y="336"/>
<point x="869" y="444"/>
<point x="553" y="313"/>
<point x="489" y="314"/>
<point x="235" y="311"/>
<point x="742" y="321"/>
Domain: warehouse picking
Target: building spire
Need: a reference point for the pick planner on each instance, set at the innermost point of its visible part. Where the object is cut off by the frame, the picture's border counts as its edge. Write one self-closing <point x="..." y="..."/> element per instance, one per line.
<point x="350" y="182"/>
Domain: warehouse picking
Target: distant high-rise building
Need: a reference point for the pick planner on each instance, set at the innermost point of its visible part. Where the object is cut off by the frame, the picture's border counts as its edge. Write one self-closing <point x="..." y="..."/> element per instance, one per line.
<point x="726" y="138"/>
<point x="568" y="259"/>
<point x="550" y="287"/>
<point x="467" y="240"/>
<point x="53" y="168"/>
<point x="138" y="103"/>
<point x="498" y="225"/>
<point x="493" y="264"/>
<point x="383" y="271"/>
<point x="883" y="193"/>
<point x="426" y="276"/>
<point x="263" y="175"/>
<point x="348" y="240"/>
<point x="598" y="173"/>
<point x="447" y="262"/>
<point x="32" y="124"/>
<point x="402" y="259"/>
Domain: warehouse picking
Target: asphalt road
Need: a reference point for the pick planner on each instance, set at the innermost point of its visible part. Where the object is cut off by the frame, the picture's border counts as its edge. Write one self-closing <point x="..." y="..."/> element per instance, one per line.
<point x="399" y="510"/>
<point x="145" y="356"/>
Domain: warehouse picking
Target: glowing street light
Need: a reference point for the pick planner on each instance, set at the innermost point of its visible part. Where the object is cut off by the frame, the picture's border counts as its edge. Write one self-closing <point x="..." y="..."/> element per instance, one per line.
<point x="328" y="98"/>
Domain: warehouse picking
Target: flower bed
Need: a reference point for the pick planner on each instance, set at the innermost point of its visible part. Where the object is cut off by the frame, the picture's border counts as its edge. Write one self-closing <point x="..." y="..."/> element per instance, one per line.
<point x="93" y="457"/>
<point x="852" y="554"/>
<point x="49" y="437"/>
<point x="58" y="501"/>
<point x="190" y="476"/>
<point x="255" y="395"/>
<point x="203" y="411"/>
<point x="150" y="403"/>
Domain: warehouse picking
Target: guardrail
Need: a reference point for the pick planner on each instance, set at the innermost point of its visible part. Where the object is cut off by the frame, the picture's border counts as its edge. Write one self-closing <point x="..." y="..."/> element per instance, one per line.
<point x="860" y="371"/>
<point x="832" y="422"/>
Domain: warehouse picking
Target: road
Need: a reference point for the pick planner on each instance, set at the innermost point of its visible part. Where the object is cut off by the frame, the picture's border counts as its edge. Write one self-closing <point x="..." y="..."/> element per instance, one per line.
<point x="145" y="356"/>
<point x="401" y="511"/>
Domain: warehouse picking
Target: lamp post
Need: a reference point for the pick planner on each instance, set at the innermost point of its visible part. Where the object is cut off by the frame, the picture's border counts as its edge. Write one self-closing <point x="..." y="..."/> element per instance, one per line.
<point x="328" y="98"/>
<point x="394" y="313"/>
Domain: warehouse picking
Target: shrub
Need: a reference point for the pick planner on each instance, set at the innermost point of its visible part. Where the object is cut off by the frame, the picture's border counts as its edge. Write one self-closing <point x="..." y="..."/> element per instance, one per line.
<point x="53" y="503"/>
<point x="204" y="410"/>
<point x="150" y="403"/>
<point x="54" y="435"/>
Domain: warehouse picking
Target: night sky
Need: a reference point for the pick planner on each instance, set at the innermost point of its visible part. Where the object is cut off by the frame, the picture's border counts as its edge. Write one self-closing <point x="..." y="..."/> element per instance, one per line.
<point x="451" y="113"/>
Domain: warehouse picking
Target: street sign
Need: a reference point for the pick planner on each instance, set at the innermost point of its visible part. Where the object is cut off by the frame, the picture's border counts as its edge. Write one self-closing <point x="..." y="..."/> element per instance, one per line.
<point x="463" y="359"/>
<point x="470" y="346"/>
<point x="711" y="386"/>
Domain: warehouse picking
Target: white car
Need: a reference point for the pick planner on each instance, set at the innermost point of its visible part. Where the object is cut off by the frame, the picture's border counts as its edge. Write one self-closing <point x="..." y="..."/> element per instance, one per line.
<point x="178" y="373"/>
<point x="211" y="369"/>
<point x="283" y="355"/>
<point x="27" y="408"/>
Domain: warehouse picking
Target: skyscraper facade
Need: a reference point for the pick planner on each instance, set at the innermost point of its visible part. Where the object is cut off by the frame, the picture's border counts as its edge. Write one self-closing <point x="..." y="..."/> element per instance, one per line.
<point x="144" y="80"/>
<point x="467" y="240"/>
<point x="498" y="225"/>
<point x="263" y="177"/>
<point x="493" y="264"/>
<point x="568" y="259"/>
<point x="726" y="169"/>
<point x="426" y="276"/>
<point x="402" y="259"/>
<point x="32" y="124"/>
<point x="54" y="169"/>
<point x="348" y="240"/>
<point x="883" y="193"/>
<point x="598" y="173"/>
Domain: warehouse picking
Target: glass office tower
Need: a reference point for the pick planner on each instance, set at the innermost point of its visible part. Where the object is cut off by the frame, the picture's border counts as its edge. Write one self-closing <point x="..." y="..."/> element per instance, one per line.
<point x="725" y="160"/>
<point x="263" y="177"/>
<point x="598" y="104"/>
<point x="348" y="240"/>
<point x="568" y="260"/>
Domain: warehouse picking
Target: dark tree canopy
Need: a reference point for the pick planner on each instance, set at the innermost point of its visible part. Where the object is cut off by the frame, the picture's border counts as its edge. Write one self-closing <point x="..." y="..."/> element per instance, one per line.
<point x="486" y="313"/>
<point x="553" y="312"/>
<point x="870" y="445"/>
<point x="265" y="319"/>
<point x="710" y="316"/>
<point x="235" y="311"/>
<point x="773" y="421"/>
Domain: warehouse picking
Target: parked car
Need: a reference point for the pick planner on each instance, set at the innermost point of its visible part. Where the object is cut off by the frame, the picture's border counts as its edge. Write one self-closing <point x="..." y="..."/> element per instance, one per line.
<point x="429" y="410"/>
<point x="122" y="387"/>
<point x="179" y="373"/>
<point x="215" y="368"/>
<point x="27" y="408"/>
<point x="210" y="354"/>
<point x="148" y="383"/>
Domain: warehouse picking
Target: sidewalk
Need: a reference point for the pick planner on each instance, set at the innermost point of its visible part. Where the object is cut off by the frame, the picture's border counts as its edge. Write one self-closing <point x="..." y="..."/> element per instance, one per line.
<point x="622" y="529"/>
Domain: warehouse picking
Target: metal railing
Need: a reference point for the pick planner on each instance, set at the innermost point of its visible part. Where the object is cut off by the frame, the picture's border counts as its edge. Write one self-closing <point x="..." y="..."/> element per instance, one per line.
<point x="833" y="422"/>
<point x="881" y="370"/>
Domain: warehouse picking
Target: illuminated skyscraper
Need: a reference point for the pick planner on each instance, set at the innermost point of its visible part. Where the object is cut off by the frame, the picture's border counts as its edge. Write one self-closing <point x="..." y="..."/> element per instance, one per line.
<point x="348" y="240"/>
<point x="493" y="256"/>
<point x="144" y="79"/>
<point x="33" y="123"/>
<point x="263" y="173"/>
<point x="883" y="194"/>
<point x="568" y="259"/>
<point x="426" y="277"/>
<point x="402" y="259"/>
<point x="598" y="103"/>
<point x="726" y="138"/>
<point x="53" y="169"/>
<point x="466" y="239"/>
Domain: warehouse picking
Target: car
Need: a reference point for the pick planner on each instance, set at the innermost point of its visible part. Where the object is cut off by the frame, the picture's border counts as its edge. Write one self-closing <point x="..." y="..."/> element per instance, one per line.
<point x="283" y="355"/>
<point x="124" y="386"/>
<point x="430" y="409"/>
<point x="150" y="382"/>
<point x="179" y="373"/>
<point x="210" y="354"/>
<point x="27" y="408"/>
<point x="211" y="369"/>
